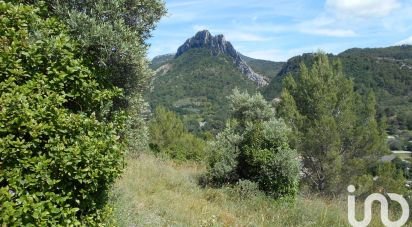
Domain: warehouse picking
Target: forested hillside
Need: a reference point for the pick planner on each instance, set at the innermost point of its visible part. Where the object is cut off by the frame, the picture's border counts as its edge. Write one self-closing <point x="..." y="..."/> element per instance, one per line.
<point x="268" y="68"/>
<point x="196" y="85"/>
<point x="385" y="71"/>
<point x="196" y="82"/>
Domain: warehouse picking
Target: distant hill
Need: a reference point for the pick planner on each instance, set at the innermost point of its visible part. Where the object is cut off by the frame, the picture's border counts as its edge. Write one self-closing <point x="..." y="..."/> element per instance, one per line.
<point x="197" y="79"/>
<point x="264" y="67"/>
<point x="274" y="88"/>
<point x="386" y="71"/>
<point x="161" y="60"/>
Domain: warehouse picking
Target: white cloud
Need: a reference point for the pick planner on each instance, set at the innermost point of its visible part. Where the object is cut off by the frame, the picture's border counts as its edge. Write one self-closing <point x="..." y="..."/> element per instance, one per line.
<point x="198" y="27"/>
<point x="183" y="4"/>
<point x="363" y="8"/>
<point x="330" y="32"/>
<point x="324" y="26"/>
<point x="233" y="34"/>
<point x="237" y="36"/>
<point x="405" y="41"/>
<point x="401" y="21"/>
<point x="273" y="55"/>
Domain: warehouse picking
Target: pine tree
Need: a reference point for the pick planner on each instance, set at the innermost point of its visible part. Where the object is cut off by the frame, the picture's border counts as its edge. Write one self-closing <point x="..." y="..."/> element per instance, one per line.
<point x="335" y="130"/>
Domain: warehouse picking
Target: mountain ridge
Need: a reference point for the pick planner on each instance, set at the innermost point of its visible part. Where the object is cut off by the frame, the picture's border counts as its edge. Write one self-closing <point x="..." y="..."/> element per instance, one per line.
<point x="218" y="45"/>
<point x="195" y="85"/>
<point x="386" y="71"/>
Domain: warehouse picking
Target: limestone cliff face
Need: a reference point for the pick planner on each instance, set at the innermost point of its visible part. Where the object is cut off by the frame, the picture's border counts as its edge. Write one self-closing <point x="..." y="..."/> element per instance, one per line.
<point x="218" y="45"/>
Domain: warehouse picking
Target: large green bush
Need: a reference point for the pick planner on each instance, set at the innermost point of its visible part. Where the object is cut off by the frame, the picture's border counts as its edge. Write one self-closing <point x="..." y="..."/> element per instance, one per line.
<point x="59" y="151"/>
<point x="255" y="147"/>
<point x="267" y="159"/>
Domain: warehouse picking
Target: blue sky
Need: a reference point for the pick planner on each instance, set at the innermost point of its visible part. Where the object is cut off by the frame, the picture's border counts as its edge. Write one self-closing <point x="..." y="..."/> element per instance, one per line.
<point x="280" y="29"/>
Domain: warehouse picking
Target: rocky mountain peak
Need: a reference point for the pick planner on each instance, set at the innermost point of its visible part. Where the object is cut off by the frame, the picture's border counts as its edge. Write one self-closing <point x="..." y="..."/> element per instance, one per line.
<point x="203" y="39"/>
<point x="218" y="45"/>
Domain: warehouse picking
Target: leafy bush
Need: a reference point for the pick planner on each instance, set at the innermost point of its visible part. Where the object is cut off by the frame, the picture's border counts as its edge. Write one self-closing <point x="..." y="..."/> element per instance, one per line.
<point x="112" y="37"/>
<point x="396" y="145"/>
<point x="255" y="147"/>
<point x="267" y="159"/>
<point x="222" y="159"/>
<point x="58" y="150"/>
<point x="137" y="131"/>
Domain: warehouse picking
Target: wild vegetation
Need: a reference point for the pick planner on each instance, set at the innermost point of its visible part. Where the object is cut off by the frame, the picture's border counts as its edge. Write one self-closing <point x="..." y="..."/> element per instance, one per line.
<point x="385" y="71"/>
<point x="331" y="137"/>
<point x="209" y="149"/>
<point x="254" y="146"/>
<point x="159" y="192"/>
<point x="66" y="94"/>
<point x="334" y="128"/>
<point x="156" y="192"/>
<point x="57" y="158"/>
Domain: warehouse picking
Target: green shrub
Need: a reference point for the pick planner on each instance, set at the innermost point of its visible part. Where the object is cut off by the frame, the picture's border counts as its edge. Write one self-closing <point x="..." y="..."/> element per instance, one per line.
<point x="59" y="153"/>
<point x="189" y="147"/>
<point x="255" y="147"/>
<point x="222" y="157"/>
<point x="396" y="145"/>
<point x="266" y="158"/>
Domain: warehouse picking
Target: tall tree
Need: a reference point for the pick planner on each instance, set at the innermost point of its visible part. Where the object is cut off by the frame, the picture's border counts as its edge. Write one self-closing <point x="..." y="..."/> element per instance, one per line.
<point x="334" y="129"/>
<point x="112" y="35"/>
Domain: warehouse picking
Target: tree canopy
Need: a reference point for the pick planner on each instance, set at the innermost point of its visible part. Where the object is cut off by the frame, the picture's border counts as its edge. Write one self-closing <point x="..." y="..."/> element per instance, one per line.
<point x="335" y="129"/>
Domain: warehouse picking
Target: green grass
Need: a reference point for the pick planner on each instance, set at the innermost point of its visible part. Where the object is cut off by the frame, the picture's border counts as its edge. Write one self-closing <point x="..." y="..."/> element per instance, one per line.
<point x="154" y="192"/>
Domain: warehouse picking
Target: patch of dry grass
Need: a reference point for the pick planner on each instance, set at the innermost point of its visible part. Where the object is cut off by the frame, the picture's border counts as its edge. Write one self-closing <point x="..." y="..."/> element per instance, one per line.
<point x="154" y="192"/>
